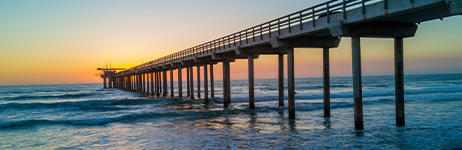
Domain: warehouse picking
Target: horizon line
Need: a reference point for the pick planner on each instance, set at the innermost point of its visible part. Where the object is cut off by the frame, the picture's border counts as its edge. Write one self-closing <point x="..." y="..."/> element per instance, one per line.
<point x="411" y="74"/>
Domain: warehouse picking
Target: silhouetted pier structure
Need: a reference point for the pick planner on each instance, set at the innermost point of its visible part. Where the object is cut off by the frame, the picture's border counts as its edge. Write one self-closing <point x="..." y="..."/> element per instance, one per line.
<point x="108" y="75"/>
<point x="319" y="26"/>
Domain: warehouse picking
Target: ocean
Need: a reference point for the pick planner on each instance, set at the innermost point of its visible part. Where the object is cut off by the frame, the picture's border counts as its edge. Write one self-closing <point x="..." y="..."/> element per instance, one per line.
<point x="86" y="116"/>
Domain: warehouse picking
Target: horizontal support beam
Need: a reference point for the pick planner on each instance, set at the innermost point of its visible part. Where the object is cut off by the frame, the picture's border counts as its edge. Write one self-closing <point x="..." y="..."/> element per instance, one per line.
<point x="374" y="29"/>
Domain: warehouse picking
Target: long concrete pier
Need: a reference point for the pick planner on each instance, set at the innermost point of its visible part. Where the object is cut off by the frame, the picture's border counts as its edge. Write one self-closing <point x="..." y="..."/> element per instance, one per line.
<point x="320" y="26"/>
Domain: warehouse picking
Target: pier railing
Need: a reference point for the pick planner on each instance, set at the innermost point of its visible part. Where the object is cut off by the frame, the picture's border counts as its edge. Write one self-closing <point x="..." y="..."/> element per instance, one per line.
<point x="271" y="27"/>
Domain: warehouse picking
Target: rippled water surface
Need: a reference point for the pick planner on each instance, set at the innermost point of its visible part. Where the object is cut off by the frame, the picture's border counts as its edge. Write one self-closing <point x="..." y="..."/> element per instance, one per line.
<point x="88" y="117"/>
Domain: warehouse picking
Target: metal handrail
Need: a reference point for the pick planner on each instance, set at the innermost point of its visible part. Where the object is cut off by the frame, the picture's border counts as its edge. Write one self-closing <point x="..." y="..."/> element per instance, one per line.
<point x="273" y="26"/>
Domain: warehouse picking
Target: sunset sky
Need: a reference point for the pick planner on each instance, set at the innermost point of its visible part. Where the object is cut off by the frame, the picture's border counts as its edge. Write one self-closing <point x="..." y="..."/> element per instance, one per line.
<point x="60" y="42"/>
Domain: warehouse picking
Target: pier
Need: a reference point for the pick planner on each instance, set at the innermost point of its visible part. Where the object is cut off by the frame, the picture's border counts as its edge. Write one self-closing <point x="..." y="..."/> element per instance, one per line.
<point x="321" y="26"/>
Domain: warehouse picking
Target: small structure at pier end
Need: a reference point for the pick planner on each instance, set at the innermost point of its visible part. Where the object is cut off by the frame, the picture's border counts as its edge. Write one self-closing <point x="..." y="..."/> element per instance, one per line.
<point x="108" y="73"/>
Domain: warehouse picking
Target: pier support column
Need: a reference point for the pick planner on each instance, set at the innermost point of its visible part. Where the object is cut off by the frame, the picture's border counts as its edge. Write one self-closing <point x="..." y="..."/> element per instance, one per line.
<point x="104" y="83"/>
<point x="281" y="79"/>
<point x="161" y="82"/>
<point x="191" y="84"/>
<point x="206" y="86"/>
<point x="152" y="83"/>
<point x="164" y="76"/>
<point x="326" y="76"/>
<point x="146" y="79"/>
<point x="198" y="82"/>
<point x="187" y="82"/>
<point x="212" y="87"/>
<point x="180" y="83"/>
<point x="110" y="82"/>
<point x="251" y="82"/>
<point x="399" y="82"/>
<point x="172" y="94"/>
<point x="148" y="84"/>
<point x="136" y="84"/>
<point x="158" y="84"/>
<point x="116" y="83"/>
<point x="226" y="84"/>
<point x="357" y="87"/>
<point x="143" y="83"/>
<point x="139" y="83"/>
<point x="291" y="82"/>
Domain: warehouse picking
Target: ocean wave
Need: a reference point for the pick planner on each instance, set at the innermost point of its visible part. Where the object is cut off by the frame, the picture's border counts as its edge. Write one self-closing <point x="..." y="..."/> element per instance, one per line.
<point x="62" y="96"/>
<point x="76" y="104"/>
<point x="318" y="106"/>
<point x="260" y="96"/>
<point x="339" y="85"/>
<point x="128" y="118"/>
<point x="90" y="122"/>
<point x="27" y="91"/>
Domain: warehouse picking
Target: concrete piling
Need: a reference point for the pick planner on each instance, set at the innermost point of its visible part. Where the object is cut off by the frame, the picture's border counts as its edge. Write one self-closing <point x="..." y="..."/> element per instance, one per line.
<point x="291" y="82"/>
<point x="357" y="87"/>
<point x="187" y="82"/>
<point x="399" y="82"/>
<point x="158" y="83"/>
<point x="198" y="82"/>
<point x="172" y="94"/>
<point x="212" y="86"/>
<point x="105" y="82"/>
<point x="326" y="82"/>
<point x="191" y="81"/>
<point x="147" y="84"/>
<point x="164" y="78"/>
<point x="180" y="83"/>
<point x="206" y="86"/>
<point x="281" y="79"/>
<point x="226" y="86"/>
<point x="251" y="82"/>
<point x="152" y="83"/>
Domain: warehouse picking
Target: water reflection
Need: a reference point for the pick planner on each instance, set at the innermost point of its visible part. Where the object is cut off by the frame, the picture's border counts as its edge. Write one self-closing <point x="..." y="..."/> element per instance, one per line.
<point x="292" y="126"/>
<point x="327" y="122"/>
<point x="359" y="133"/>
<point x="227" y="121"/>
<point x="253" y="120"/>
<point x="282" y="121"/>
